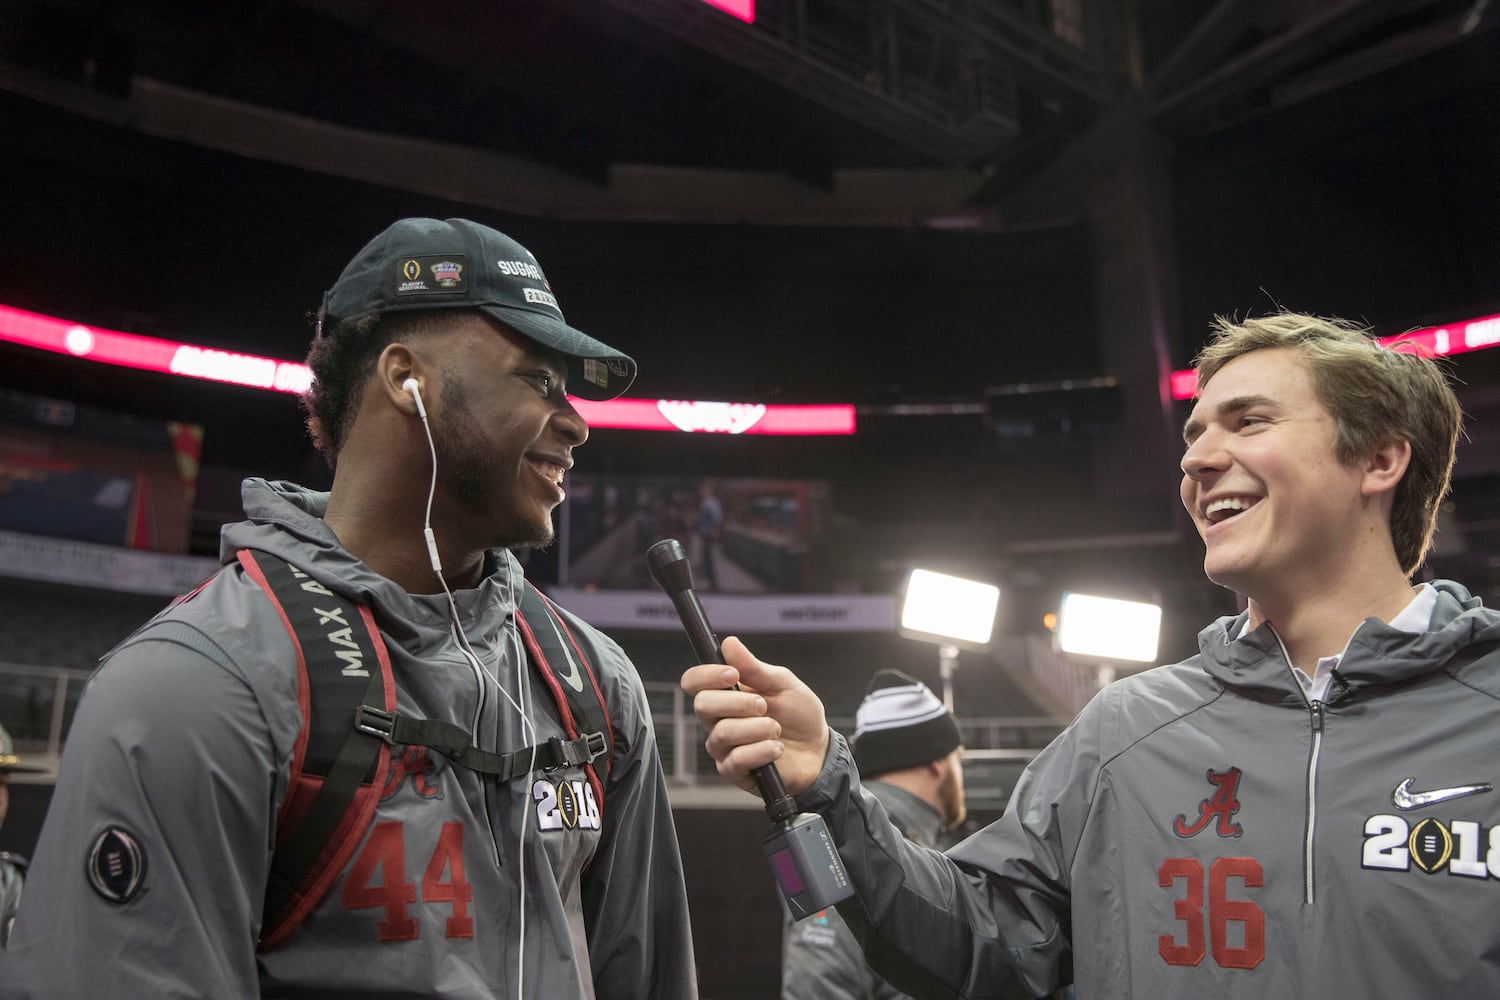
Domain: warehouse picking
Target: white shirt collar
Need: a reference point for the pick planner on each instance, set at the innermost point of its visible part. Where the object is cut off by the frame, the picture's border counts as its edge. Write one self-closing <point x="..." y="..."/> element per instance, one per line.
<point x="1415" y="617"/>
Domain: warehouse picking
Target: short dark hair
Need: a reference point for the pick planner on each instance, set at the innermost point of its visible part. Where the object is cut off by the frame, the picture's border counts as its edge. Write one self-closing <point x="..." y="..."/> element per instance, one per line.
<point x="1376" y="395"/>
<point x="342" y="360"/>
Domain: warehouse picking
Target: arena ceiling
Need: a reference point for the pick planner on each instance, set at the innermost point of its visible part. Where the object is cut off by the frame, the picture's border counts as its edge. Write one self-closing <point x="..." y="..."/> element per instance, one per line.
<point x="875" y="201"/>
<point x="833" y="112"/>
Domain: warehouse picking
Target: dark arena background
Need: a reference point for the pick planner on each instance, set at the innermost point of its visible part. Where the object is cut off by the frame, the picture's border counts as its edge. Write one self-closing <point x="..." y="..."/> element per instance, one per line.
<point x="989" y="233"/>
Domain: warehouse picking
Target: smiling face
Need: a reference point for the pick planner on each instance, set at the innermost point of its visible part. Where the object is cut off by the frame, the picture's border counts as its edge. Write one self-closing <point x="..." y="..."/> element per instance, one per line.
<point x="1277" y="511"/>
<point x="504" y="432"/>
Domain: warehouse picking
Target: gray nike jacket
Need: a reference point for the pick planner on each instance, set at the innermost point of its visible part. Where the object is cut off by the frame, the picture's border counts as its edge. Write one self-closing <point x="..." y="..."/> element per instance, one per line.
<point x="1202" y="830"/>
<point x="463" y="888"/>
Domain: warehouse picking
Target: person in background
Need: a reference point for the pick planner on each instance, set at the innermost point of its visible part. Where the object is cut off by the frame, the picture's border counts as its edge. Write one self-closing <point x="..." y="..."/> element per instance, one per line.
<point x="1305" y="808"/>
<point x="708" y="525"/>
<point x="910" y="756"/>
<point x="12" y="866"/>
<point x="504" y="856"/>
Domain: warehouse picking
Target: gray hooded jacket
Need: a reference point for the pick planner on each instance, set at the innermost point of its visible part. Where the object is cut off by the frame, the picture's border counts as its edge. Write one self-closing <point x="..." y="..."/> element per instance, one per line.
<point x="182" y="743"/>
<point x="1202" y="830"/>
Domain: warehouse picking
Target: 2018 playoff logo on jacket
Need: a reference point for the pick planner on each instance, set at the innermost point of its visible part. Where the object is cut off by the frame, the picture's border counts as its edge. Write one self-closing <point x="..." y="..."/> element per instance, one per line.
<point x="565" y="804"/>
<point x="1400" y="841"/>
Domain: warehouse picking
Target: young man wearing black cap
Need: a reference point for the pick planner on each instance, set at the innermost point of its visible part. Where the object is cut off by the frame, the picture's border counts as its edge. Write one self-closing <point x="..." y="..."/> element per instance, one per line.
<point x="909" y="753"/>
<point x="506" y="850"/>
<point x="12" y="866"/>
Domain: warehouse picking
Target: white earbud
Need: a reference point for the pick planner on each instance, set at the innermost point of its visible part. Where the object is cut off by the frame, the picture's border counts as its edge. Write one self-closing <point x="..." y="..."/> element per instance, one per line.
<point x="411" y="386"/>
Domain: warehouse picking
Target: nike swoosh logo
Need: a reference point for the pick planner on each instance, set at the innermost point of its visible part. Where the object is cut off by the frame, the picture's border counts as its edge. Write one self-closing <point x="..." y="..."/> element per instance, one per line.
<point x="1406" y="799"/>
<point x="572" y="676"/>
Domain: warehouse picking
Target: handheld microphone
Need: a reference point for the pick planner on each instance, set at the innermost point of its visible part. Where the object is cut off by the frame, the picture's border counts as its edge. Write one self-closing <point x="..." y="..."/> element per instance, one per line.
<point x="806" y="864"/>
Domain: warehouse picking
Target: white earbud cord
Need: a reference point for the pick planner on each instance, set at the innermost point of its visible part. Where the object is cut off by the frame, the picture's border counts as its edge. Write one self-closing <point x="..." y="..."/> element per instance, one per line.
<point x="523" y="688"/>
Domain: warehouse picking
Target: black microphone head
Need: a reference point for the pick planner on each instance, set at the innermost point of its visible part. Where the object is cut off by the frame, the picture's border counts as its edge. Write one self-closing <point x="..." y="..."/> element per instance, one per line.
<point x="669" y="566"/>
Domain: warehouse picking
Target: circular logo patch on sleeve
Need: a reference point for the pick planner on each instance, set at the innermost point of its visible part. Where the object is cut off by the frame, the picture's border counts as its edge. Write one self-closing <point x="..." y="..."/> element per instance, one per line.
<point x="116" y="865"/>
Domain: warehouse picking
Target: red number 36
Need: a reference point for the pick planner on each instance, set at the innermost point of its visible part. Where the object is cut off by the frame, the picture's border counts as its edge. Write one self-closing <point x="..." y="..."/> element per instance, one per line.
<point x="1222" y="911"/>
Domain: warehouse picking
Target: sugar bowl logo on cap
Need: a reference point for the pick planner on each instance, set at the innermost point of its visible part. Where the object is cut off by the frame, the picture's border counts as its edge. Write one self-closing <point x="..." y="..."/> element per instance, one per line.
<point x="458" y="264"/>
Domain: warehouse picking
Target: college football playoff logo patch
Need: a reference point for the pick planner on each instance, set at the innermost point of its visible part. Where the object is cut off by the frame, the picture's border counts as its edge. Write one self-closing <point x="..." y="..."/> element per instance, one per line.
<point x="116" y="865"/>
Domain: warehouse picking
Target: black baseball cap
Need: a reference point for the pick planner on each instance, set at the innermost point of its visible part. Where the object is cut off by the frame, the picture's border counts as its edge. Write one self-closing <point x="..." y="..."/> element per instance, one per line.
<point x="458" y="264"/>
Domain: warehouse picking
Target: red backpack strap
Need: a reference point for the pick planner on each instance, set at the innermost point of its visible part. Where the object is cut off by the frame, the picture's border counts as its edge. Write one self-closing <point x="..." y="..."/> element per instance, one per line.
<point x="580" y="700"/>
<point x="337" y="771"/>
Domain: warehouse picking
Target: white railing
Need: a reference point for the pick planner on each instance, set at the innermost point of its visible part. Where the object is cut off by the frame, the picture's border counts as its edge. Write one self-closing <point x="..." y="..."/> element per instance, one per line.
<point x="37" y="705"/>
<point x="36" y="708"/>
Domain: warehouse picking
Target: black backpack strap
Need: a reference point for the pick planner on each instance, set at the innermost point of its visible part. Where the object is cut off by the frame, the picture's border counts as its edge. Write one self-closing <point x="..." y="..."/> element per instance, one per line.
<point x="580" y="701"/>
<point x="455" y="743"/>
<point x="337" y="770"/>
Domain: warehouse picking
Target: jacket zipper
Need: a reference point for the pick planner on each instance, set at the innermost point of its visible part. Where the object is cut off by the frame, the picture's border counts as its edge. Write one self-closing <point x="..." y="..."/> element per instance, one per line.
<point x="1316" y="707"/>
<point x="1312" y="801"/>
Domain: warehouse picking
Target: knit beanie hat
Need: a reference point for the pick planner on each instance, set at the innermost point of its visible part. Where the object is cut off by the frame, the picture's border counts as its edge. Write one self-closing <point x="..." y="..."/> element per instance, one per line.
<point x="900" y="724"/>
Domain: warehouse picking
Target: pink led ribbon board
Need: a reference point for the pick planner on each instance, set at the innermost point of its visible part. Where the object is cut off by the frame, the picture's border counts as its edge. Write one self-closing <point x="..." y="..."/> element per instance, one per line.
<point x="1433" y="342"/>
<point x="742" y="9"/>
<point x="170" y="357"/>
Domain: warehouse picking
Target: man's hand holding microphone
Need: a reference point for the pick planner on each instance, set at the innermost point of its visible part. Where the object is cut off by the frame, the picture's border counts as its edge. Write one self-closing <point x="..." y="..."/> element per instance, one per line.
<point x="772" y="718"/>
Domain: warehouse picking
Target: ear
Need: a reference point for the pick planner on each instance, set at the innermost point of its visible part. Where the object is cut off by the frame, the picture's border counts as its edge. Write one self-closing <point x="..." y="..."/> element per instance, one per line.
<point x="1385" y="466"/>
<point x="395" y="365"/>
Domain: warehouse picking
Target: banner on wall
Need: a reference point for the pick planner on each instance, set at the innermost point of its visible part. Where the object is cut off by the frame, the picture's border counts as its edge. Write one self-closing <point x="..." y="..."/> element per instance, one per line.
<point x="766" y="613"/>
<point x="743" y="536"/>
<point x="106" y="567"/>
<point x="71" y="471"/>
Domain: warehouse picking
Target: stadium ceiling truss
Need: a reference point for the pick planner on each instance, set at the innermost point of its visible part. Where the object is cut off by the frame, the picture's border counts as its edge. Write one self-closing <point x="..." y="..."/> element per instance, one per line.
<point x="931" y="106"/>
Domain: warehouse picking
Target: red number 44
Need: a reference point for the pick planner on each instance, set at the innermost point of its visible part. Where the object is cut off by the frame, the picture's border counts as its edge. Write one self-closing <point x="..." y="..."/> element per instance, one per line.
<point x="386" y="850"/>
<point x="1222" y="911"/>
